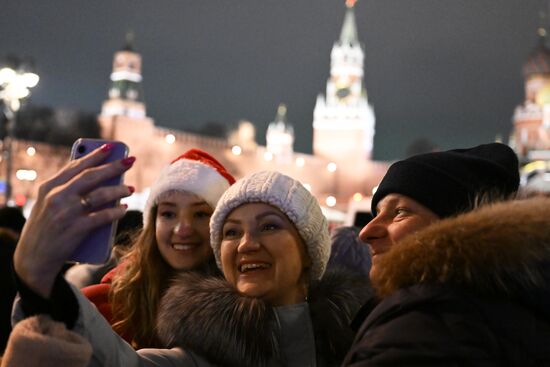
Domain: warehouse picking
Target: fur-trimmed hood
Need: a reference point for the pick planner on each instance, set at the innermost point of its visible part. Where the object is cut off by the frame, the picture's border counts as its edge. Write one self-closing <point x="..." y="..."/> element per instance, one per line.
<point x="501" y="250"/>
<point x="206" y="315"/>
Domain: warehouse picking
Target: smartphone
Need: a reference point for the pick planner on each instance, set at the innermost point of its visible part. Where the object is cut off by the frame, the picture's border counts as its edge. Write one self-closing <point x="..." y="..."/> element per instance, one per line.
<point x="96" y="247"/>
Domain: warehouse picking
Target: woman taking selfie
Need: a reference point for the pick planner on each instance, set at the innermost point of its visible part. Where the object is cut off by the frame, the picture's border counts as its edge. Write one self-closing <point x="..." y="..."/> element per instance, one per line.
<point x="175" y="238"/>
<point x="274" y="307"/>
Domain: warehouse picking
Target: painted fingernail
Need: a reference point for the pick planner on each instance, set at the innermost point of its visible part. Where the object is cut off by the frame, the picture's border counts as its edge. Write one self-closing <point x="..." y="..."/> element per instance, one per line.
<point x="132" y="189"/>
<point x="107" y="147"/>
<point x="128" y="161"/>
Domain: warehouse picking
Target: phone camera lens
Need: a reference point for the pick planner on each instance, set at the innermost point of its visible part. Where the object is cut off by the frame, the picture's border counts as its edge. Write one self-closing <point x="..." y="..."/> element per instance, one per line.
<point x="81" y="149"/>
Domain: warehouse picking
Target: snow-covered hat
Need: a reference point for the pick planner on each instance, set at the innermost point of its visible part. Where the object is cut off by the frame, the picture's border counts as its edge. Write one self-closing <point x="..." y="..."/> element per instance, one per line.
<point x="291" y="198"/>
<point x="194" y="171"/>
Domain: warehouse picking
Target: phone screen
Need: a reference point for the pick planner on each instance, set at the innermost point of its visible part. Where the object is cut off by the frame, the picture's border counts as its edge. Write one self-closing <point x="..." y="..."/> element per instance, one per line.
<point x="96" y="246"/>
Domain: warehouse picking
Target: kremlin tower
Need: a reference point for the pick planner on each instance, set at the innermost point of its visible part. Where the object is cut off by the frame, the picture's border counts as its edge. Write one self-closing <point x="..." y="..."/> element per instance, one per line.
<point x="343" y="119"/>
<point x="531" y="136"/>
<point x="126" y="92"/>
<point x="280" y="137"/>
<point x="343" y="122"/>
<point x="125" y="103"/>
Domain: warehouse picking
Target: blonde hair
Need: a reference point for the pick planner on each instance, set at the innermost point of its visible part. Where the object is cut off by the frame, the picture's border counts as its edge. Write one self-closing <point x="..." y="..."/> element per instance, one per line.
<point x="138" y="287"/>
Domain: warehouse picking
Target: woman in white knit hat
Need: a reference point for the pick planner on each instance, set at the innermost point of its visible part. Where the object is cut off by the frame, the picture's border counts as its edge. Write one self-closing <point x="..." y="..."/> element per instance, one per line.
<point x="271" y="241"/>
<point x="175" y="238"/>
<point x="275" y="307"/>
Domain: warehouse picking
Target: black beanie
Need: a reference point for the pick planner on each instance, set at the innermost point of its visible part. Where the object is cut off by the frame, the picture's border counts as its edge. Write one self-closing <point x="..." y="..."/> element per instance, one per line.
<point x="449" y="182"/>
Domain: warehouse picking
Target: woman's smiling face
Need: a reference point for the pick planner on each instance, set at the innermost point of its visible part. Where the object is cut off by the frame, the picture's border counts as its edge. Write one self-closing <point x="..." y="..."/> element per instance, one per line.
<point x="263" y="255"/>
<point x="182" y="230"/>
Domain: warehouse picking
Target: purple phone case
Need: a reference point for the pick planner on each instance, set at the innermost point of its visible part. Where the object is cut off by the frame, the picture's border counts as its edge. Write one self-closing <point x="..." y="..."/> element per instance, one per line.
<point x="96" y="246"/>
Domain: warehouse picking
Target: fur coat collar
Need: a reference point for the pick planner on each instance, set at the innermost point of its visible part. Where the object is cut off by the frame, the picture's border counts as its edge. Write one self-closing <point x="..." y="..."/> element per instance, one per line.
<point x="207" y="316"/>
<point x="501" y="250"/>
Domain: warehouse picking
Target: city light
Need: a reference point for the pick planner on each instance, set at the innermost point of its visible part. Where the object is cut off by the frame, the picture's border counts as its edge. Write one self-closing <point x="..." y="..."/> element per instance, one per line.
<point x="268" y="156"/>
<point x="26" y="174"/>
<point x="20" y="200"/>
<point x="6" y="75"/>
<point x="300" y="161"/>
<point x="17" y="77"/>
<point x="170" y="138"/>
<point x="330" y="201"/>
<point x="331" y="167"/>
<point x="31" y="151"/>
<point x="15" y="83"/>
<point x="357" y="196"/>
<point x="236" y="150"/>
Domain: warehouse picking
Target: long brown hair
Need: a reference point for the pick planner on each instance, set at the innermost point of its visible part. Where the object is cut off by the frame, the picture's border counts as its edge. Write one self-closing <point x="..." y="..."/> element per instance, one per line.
<point x="137" y="288"/>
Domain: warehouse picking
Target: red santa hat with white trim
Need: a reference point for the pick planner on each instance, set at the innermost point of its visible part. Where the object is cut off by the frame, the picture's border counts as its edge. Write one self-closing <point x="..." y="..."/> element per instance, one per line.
<point x="194" y="171"/>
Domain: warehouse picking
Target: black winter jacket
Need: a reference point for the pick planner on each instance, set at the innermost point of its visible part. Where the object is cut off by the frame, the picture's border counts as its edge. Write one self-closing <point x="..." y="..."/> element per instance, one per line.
<point x="473" y="290"/>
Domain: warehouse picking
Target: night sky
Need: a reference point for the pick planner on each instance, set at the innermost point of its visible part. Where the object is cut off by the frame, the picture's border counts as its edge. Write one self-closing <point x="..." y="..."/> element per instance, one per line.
<point x="445" y="70"/>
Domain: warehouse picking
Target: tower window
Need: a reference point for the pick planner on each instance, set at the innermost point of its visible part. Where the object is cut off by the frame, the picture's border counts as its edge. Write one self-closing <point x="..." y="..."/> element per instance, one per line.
<point x="114" y="93"/>
<point x="131" y="94"/>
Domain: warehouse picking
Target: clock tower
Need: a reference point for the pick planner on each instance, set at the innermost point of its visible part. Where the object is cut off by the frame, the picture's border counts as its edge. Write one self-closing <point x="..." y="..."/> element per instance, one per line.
<point x="343" y="120"/>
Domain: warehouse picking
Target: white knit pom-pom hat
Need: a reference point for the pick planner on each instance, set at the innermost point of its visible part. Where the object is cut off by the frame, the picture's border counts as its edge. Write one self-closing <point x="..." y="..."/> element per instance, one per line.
<point x="194" y="171"/>
<point x="291" y="198"/>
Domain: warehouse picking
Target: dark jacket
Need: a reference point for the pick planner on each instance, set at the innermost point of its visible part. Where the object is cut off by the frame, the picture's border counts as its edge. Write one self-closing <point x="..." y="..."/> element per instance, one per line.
<point x="473" y="290"/>
<point x="208" y="317"/>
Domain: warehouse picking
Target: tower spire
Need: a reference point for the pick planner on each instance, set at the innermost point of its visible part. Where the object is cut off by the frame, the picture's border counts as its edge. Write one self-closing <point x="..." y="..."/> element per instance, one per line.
<point x="349" y="29"/>
<point x="280" y="137"/>
<point x="281" y="113"/>
<point x="129" y="44"/>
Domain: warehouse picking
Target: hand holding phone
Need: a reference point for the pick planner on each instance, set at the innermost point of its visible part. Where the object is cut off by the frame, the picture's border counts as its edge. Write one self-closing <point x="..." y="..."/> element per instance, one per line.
<point x="96" y="246"/>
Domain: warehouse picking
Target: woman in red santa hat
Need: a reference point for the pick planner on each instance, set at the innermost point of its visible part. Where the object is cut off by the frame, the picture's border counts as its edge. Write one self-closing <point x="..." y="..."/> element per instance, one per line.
<point x="175" y="238"/>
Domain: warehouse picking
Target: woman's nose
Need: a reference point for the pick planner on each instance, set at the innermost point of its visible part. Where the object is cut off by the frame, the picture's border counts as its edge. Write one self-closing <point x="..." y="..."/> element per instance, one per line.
<point x="183" y="227"/>
<point x="248" y="243"/>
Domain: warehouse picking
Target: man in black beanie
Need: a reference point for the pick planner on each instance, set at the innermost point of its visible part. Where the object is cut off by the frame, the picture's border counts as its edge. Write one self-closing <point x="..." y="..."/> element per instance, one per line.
<point x="449" y="182"/>
<point x="424" y="188"/>
<point x="456" y="286"/>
